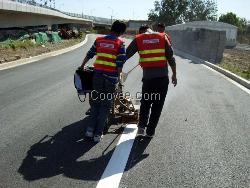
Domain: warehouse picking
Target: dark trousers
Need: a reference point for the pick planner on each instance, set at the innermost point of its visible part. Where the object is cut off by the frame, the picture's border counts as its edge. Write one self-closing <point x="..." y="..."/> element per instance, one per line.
<point x="101" y="102"/>
<point x="154" y="92"/>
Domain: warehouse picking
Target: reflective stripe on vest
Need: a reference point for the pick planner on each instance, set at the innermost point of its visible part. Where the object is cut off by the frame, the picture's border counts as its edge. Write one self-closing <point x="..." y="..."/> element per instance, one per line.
<point x="151" y="49"/>
<point x="106" y="55"/>
<point x="149" y="59"/>
<point x="100" y="62"/>
<point x="106" y="51"/>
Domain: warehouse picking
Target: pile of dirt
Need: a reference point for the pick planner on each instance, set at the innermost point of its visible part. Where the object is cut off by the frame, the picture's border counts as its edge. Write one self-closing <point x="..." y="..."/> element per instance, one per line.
<point x="237" y="61"/>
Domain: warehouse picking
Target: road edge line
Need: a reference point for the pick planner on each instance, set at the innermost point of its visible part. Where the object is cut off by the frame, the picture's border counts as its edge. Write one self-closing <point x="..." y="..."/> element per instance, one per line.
<point x="13" y="64"/>
<point x="113" y="172"/>
<point x="245" y="83"/>
<point x="229" y="79"/>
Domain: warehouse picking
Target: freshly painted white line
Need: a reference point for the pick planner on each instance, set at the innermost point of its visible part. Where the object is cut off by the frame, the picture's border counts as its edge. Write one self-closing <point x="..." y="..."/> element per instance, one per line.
<point x="229" y="79"/>
<point x="20" y="62"/>
<point x="113" y="173"/>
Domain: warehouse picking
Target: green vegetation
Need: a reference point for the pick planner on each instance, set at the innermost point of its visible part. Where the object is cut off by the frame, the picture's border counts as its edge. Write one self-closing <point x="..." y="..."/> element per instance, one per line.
<point x="92" y="31"/>
<point x="15" y="44"/>
<point x="241" y="23"/>
<point x="173" y="12"/>
<point x="12" y="50"/>
<point x="81" y="35"/>
<point x="39" y="39"/>
<point x="237" y="61"/>
<point x="237" y="70"/>
<point x="232" y="19"/>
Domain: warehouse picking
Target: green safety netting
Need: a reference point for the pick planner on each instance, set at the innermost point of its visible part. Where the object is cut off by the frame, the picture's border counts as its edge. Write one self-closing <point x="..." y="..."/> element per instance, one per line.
<point x="55" y="37"/>
<point x="41" y="38"/>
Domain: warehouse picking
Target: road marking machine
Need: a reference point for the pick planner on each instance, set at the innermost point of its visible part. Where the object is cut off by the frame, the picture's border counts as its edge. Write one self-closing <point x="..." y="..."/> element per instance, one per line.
<point x="124" y="109"/>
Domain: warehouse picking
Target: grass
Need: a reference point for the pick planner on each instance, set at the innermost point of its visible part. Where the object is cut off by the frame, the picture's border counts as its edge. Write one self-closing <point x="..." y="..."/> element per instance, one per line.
<point x="25" y="44"/>
<point x="238" y="70"/>
<point x="237" y="61"/>
<point x="18" y="44"/>
<point x="12" y="50"/>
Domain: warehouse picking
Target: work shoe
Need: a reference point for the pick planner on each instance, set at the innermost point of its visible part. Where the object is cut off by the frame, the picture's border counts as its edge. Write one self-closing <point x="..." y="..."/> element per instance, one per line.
<point x="89" y="134"/>
<point x="150" y="133"/>
<point x="97" y="138"/>
<point x="141" y="131"/>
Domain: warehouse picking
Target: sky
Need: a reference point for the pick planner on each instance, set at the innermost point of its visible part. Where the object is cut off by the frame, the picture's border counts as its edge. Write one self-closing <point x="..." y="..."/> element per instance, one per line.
<point x="139" y="9"/>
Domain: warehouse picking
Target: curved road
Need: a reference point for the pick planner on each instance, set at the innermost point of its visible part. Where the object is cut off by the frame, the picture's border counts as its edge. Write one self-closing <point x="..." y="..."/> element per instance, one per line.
<point x="202" y="140"/>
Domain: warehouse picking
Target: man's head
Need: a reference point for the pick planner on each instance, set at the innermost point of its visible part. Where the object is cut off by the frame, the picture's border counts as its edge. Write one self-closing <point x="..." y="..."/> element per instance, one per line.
<point x="161" y="27"/>
<point x="118" y="28"/>
<point x="143" y="28"/>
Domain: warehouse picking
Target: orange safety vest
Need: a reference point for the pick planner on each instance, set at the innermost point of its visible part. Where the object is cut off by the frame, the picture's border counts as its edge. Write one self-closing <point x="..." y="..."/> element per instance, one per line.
<point x="106" y="51"/>
<point x="151" y="48"/>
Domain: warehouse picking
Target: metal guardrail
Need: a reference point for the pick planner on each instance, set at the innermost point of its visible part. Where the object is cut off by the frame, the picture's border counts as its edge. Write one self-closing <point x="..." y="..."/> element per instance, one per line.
<point x="34" y="3"/>
<point x="94" y="18"/>
<point x="97" y="20"/>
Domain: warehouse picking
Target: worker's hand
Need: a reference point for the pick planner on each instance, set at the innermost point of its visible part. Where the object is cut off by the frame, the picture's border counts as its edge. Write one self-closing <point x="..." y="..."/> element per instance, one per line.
<point x="119" y="88"/>
<point x="174" y="80"/>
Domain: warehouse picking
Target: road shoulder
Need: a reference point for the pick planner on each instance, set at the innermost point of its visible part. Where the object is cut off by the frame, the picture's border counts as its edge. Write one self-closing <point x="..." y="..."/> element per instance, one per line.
<point x="227" y="73"/>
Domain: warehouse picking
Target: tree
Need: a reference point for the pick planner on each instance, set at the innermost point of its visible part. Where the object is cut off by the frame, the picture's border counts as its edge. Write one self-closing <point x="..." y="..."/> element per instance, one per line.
<point x="232" y="19"/>
<point x="168" y="11"/>
<point x="201" y="10"/>
<point x="177" y="11"/>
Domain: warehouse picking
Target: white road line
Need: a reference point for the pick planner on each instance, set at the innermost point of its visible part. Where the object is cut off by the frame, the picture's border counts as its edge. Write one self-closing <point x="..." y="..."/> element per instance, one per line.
<point x="229" y="79"/>
<point x="112" y="175"/>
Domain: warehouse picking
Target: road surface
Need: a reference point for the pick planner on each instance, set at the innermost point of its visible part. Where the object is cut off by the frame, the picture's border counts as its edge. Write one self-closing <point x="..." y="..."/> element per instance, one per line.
<point x="202" y="140"/>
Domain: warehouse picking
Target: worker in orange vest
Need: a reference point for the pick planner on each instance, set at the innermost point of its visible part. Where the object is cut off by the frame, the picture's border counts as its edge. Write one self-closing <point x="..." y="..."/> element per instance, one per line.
<point x="110" y="52"/>
<point x="156" y="54"/>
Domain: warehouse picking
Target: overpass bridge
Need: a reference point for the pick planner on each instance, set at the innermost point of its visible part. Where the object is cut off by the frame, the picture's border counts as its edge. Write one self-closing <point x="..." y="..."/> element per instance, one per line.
<point x="21" y="14"/>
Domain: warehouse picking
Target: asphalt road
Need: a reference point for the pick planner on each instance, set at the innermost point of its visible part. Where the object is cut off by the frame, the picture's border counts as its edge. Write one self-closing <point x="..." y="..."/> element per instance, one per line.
<point x="202" y="140"/>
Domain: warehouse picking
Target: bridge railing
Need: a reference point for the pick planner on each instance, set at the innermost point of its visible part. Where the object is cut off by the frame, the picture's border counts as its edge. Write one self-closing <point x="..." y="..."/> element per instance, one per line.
<point x="98" y="20"/>
<point x="94" y="18"/>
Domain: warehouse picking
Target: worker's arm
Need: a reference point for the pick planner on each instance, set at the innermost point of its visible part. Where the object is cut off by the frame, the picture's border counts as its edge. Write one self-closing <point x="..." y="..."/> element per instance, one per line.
<point x="132" y="49"/>
<point x="169" y="39"/>
<point x="171" y="60"/>
<point x="91" y="53"/>
<point x="120" y="60"/>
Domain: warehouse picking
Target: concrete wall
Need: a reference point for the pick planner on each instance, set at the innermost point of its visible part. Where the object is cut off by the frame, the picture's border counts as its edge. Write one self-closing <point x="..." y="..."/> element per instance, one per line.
<point x="14" y="14"/>
<point x="202" y="43"/>
<point x="231" y="31"/>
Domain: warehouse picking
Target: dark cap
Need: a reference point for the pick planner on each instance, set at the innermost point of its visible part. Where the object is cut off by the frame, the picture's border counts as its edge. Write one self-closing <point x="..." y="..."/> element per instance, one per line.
<point x="118" y="27"/>
<point x="143" y="28"/>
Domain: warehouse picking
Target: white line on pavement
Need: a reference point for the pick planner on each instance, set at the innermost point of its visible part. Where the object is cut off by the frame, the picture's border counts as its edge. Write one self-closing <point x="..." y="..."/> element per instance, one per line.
<point x="113" y="173"/>
<point x="229" y="79"/>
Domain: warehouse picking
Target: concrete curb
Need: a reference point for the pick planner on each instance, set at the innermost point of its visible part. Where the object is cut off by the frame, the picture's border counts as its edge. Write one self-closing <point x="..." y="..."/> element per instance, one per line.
<point x="227" y="73"/>
<point x="25" y="61"/>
